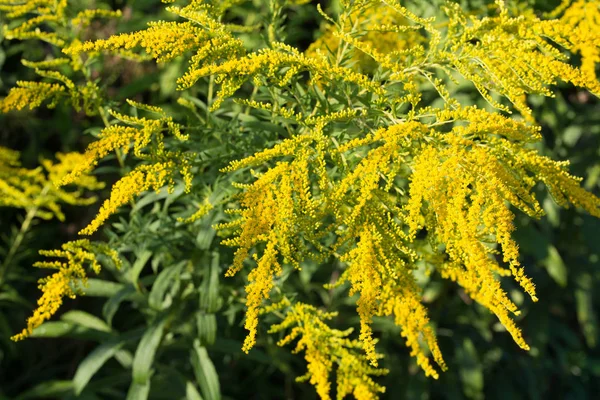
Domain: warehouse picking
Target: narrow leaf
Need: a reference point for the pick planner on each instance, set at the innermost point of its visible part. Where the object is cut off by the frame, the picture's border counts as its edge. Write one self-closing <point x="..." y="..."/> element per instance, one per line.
<point x="191" y="393"/>
<point x="87" y="320"/>
<point x="205" y="372"/>
<point x="92" y="363"/>
<point x="164" y="281"/>
<point x="144" y="354"/>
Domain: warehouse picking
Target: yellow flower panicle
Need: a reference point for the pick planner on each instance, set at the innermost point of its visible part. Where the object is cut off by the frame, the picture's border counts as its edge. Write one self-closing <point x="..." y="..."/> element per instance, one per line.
<point x="145" y="135"/>
<point x="111" y="138"/>
<point x="32" y="95"/>
<point x="47" y="20"/>
<point x="271" y="64"/>
<point x="462" y="182"/>
<point x="41" y="12"/>
<point x="580" y="19"/>
<point x="260" y="283"/>
<point x="68" y="280"/>
<point x="162" y="41"/>
<point x="19" y="8"/>
<point x="381" y="32"/>
<point x="143" y="178"/>
<point x="380" y="265"/>
<point x="463" y="189"/>
<point x="35" y="189"/>
<point x="277" y="206"/>
<point x="386" y="287"/>
<point x="203" y="36"/>
<point x="267" y="216"/>
<point x="501" y="53"/>
<point x="452" y="172"/>
<point x="201" y="212"/>
<point x="511" y="55"/>
<point x="325" y="349"/>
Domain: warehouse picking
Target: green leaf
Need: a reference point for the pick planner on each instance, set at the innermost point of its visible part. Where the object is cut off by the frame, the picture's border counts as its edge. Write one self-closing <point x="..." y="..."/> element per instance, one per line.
<point x="207" y="328"/>
<point x="209" y="295"/>
<point x="11" y="296"/>
<point x="168" y="78"/>
<point x="52" y="389"/>
<point x="101" y="288"/>
<point x="53" y="329"/>
<point x="191" y="393"/>
<point x="205" y="235"/>
<point x="87" y="320"/>
<point x="149" y="198"/>
<point x="112" y="305"/>
<point x="552" y="211"/>
<point x="138" y="391"/>
<point x="165" y="280"/>
<point x="205" y="372"/>
<point x="142" y="258"/>
<point x="92" y="363"/>
<point x="588" y="321"/>
<point x="556" y="266"/>
<point x="571" y="135"/>
<point x="144" y="354"/>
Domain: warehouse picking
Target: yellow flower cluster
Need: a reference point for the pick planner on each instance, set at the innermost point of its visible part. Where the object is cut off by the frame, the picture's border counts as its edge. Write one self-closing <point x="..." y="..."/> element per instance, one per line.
<point x="47" y="20"/>
<point x="508" y="55"/>
<point x="143" y="178"/>
<point x="461" y="187"/>
<point x="325" y="349"/>
<point x="267" y="216"/>
<point x="145" y="134"/>
<point x="68" y="280"/>
<point x="581" y="18"/>
<point x="362" y="198"/>
<point x="203" y="35"/>
<point x="201" y="212"/>
<point x="378" y="273"/>
<point x="35" y="188"/>
<point x="380" y="33"/>
<point x="40" y="12"/>
<point x="381" y="263"/>
<point x="278" y="66"/>
<point x="275" y="208"/>
<point x="511" y="55"/>
<point x="462" y="183"/>
<point x="32" y="95"/>
<point x="162" y="41"/>
<point x="216" y="52"/>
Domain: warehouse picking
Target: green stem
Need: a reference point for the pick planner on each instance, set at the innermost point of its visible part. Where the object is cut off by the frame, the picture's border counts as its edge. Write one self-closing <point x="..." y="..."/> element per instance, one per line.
<point x="209" y="99"/>
<point x="252" y="95"/>
<point x="31" y="213"/>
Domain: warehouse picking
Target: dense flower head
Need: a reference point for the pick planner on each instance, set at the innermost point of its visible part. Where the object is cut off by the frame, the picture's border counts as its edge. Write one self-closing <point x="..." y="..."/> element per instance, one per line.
<point x="47" y="21"/>
<point x="69" y="278"/>
<point x="325" y="348"/>
<point x="36" y="188"/>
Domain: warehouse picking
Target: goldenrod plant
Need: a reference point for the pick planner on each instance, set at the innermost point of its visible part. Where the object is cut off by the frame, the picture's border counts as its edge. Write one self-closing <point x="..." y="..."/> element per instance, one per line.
<point x="354" y="167"/>
<point x="35" y="192"/>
